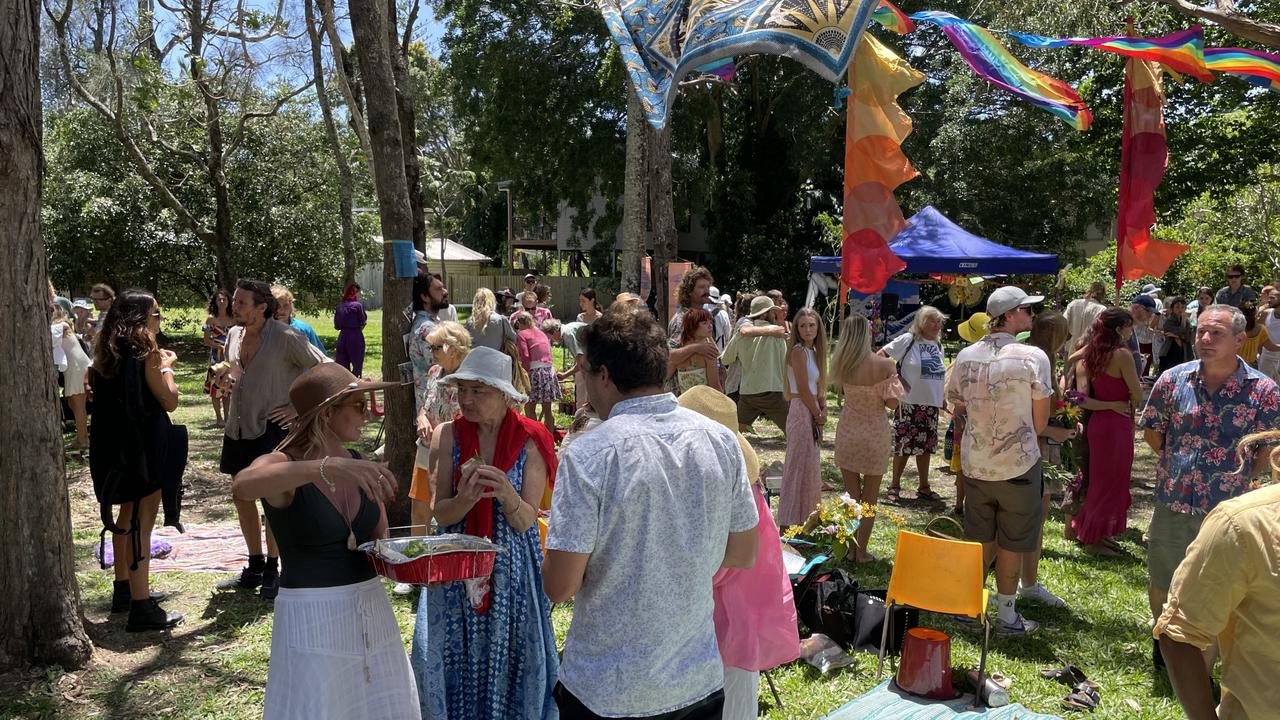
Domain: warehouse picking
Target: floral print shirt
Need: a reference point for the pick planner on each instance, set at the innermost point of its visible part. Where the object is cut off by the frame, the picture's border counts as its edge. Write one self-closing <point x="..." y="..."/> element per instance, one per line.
<point x="439" y="399"/>
<point x="996" y="379"/>
<point x="420" y="356"/>
<point x="1196" y="469"/>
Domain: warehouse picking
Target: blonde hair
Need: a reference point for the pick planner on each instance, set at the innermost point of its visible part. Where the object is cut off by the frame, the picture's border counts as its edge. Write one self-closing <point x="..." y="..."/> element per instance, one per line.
<point x="1249" y="443"/>
<point x="482" y="306"/>
<point x="281" y="293"/>
<point x="854" y="347"/>
<point x="453" y="336"/>
<point x="819" y="348"/>
<point x="528" y="294"/>
<point x="923" y="316"/>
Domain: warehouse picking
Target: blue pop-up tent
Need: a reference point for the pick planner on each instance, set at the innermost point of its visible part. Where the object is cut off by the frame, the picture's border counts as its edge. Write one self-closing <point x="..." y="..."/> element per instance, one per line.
<point x="933" y="244"/>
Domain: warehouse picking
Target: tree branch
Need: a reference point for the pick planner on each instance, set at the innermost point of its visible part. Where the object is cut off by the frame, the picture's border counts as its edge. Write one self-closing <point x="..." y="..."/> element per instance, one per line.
<point x="1225" y="16"/>
<point x="353" y="107"/>
<point x="237" y="136"/>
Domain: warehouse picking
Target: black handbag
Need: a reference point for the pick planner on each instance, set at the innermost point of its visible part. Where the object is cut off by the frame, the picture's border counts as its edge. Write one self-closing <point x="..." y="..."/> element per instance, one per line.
<point x="829" y="602"/>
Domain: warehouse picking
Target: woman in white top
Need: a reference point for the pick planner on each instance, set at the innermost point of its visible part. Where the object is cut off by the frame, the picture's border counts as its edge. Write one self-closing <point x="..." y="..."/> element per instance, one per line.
<point x="1269" y="360"/>
<point x="589" y="306"/>
<point x="915" y="422"/>
<point x="72" y="362"/>
<point x="806" y="389"/>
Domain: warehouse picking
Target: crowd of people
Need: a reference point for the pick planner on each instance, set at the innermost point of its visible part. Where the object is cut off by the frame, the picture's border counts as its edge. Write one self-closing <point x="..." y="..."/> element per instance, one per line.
<point x="656" y="459"/>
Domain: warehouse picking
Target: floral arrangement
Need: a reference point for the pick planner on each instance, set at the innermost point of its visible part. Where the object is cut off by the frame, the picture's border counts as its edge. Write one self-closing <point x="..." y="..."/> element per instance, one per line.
<point x="1069" y="410"/>
<point x="834" y="523"/>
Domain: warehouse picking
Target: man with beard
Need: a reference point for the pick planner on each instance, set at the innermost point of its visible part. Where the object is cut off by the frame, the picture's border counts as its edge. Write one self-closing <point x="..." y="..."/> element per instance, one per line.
<point x="264" y="357"/>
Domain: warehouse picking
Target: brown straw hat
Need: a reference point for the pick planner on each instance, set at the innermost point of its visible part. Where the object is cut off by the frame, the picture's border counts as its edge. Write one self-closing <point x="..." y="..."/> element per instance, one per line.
<point x="317" y="389"/>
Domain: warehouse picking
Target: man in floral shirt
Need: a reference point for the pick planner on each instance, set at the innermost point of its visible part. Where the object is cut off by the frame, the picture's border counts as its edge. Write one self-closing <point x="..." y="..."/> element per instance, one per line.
<point x="1196" y="415"/>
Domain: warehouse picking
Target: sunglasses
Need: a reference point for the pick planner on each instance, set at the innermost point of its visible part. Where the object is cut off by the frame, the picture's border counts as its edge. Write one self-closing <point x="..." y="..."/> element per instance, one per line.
<point x="362" y="404"/>
<point x="1234" y="277"/>
<point x="437" y="348"/>
<point x="157" y="315"/>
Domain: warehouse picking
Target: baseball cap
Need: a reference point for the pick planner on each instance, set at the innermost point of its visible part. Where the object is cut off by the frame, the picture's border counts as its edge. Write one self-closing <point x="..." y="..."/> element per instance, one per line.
<point x="1007" y="298"/>
<point x="1149" y="289"/>
<point x="1145" y="301"/>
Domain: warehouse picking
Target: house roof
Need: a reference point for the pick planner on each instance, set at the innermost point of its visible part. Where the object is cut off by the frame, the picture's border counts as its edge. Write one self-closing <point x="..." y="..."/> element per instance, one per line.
<point x="453" y="251"/>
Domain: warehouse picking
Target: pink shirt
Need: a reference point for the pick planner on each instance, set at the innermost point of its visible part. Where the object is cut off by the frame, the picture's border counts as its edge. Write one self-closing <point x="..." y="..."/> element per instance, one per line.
<point x="534" y="347"/>
<point x="539" y="313"/>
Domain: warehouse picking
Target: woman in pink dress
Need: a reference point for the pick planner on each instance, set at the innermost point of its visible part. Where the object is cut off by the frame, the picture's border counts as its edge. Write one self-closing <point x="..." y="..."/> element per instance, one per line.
<point x="807" y="389"/>
<point x="1106" y="374"/>
<point x="863" y="441"/>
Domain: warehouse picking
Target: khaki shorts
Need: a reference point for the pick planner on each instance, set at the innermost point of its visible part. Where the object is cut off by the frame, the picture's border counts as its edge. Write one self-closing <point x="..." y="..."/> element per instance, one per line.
<point x="1007" y="511"/>
<point x="1168" y="538"/>
<point x="770" y="404"/>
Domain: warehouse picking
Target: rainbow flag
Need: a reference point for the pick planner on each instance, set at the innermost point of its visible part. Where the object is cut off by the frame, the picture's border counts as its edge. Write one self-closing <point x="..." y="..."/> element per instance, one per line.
<point x="888" y="15"/>
<point x="993" y="62"/>
<point x="1182" y="52"/>
<point x="1259" y="68"/>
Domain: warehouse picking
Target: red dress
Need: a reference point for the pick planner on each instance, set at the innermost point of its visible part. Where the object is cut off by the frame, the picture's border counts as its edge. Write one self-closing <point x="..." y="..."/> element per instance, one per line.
<point x="1106" y="506"/>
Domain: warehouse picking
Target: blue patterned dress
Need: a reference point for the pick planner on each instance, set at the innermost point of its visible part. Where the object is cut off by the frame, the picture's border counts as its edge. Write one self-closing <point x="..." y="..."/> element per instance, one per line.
<point x="500" y="665"/>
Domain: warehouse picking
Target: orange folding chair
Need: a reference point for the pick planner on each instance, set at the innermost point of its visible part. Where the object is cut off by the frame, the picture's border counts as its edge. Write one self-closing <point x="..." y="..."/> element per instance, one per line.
<point x="942" y="576"/>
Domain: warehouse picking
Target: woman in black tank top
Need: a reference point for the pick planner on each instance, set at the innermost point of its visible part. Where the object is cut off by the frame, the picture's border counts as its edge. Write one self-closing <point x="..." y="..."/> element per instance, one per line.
<point x="336" y="650"/>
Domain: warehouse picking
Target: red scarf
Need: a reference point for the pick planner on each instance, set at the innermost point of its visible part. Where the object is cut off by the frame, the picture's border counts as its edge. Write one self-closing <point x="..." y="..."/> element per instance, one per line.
<point x="515" y="432"/>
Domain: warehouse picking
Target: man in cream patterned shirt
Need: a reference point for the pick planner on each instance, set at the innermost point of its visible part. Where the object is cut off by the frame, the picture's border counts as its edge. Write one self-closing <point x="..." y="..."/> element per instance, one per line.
<point x="1003" y="389"/>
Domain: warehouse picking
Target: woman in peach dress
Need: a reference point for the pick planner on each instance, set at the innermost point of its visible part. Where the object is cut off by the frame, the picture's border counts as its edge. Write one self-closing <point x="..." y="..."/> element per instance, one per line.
<point x="864" y="443"/>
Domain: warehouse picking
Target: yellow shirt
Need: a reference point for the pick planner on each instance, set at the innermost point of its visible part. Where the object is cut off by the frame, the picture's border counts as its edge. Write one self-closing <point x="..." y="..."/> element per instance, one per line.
<point x="1249" y="350"/>
<point x="1229" y="587"/>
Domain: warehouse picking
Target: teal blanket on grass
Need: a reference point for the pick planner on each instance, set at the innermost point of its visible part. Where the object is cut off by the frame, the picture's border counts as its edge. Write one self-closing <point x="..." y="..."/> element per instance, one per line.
<point x="887" y="702"/>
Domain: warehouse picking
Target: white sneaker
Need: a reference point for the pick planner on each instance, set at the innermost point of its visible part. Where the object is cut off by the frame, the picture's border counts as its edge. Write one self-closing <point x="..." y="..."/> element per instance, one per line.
<point x="1020" y="626"/>
<point x="1039" y="593"/>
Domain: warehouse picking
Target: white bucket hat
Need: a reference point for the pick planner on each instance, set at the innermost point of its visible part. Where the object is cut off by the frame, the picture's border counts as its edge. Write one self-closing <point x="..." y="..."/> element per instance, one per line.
<point x="490" y="367"/>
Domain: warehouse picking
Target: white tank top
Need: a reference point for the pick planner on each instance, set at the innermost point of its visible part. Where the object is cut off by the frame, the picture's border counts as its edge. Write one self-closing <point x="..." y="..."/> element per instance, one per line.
<point x="1272" y="324"/>
<point x="811" y="367"/>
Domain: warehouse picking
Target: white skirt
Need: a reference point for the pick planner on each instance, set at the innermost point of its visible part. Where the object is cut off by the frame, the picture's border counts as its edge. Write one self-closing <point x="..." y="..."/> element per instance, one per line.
<point x="336" y="654"/>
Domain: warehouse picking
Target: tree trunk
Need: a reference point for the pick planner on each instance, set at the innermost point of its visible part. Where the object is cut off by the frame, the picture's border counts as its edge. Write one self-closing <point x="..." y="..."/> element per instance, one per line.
<point x="40" y="619"/>
<point x="408" y="127"/>
<point x="368" y="26"/>
<point x="633" y="194"/>
<point x="221" y="237"/>
<point x="662" y="207"/>
<point x="345" y="185"/>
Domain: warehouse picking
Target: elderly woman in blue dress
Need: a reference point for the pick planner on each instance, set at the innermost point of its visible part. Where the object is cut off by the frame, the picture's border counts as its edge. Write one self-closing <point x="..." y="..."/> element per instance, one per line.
<point x="489" y="655"/>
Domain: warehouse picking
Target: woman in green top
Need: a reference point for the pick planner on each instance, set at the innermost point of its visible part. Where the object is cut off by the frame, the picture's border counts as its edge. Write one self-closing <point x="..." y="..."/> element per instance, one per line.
<point x="698" y="369"/>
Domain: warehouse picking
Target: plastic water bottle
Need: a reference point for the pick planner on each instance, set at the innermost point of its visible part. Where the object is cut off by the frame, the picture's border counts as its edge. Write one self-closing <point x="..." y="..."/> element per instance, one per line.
<point x="990" y="694"/>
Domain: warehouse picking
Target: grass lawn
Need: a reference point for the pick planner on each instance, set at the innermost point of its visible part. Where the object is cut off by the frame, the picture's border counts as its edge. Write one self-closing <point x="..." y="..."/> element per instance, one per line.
<point x="215" y="664"/>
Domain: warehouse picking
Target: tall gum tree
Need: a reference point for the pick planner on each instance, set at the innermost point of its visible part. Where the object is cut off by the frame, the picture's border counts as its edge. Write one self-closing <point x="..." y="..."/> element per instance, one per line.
<point x="215" y="52"/>
<point x="40" y="620"/>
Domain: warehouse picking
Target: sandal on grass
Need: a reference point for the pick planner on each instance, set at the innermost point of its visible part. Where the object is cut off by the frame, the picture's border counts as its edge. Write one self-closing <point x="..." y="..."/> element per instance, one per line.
<point x="1069" y="675"/>
<point x="1078" y="701"/>
<point x="893" y="495"/>
<point x="928" y="494"/>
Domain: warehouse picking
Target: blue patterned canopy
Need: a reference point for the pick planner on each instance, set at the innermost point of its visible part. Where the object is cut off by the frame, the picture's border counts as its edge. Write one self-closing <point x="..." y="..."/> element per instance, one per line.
<point x="662" y="40"/>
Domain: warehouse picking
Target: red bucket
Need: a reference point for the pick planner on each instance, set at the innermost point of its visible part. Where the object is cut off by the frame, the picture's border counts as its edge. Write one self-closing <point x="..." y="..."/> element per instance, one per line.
<point x="925" y="669"/>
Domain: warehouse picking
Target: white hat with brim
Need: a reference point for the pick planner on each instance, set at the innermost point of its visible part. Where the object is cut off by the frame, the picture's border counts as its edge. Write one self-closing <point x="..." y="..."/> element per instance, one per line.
<point x="760" y="306"/>
<point x="488" y="366"/>
<point x="1009" y="298"/>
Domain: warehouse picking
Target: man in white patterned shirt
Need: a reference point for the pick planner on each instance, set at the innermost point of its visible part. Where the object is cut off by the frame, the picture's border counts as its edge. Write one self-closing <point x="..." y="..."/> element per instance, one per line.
<point x="1003" y="388"/>
<point x="647" y="507"/>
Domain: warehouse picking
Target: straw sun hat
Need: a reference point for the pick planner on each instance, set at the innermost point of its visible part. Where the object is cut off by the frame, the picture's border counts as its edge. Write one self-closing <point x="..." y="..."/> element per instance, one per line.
<point x="975" y="328"/>
<point x="320" y="387"/>
<point x="713" y="404"/>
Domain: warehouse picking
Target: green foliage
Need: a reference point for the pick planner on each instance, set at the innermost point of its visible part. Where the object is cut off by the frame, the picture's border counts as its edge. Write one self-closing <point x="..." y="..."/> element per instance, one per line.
<point x="103" y="223"/>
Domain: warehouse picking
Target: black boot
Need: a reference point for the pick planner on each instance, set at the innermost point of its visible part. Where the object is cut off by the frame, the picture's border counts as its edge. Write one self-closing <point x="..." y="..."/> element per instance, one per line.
<point x="147" y="615"/>
<point x="120" y="597"/>
<point x="250" y="577"/>
<point x="270" y="579"/>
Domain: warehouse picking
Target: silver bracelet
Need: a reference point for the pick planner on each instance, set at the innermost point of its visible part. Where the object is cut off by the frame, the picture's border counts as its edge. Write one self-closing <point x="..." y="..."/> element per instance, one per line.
<point x="324" y="479"/>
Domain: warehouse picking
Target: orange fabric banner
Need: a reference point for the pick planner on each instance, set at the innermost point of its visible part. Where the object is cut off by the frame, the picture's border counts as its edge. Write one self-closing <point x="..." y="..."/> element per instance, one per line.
<point x="874" y="165"/>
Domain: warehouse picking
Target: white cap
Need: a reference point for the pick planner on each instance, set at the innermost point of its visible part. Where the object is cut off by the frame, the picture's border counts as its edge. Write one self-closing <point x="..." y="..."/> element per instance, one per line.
<point x="1008" y="298"/>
